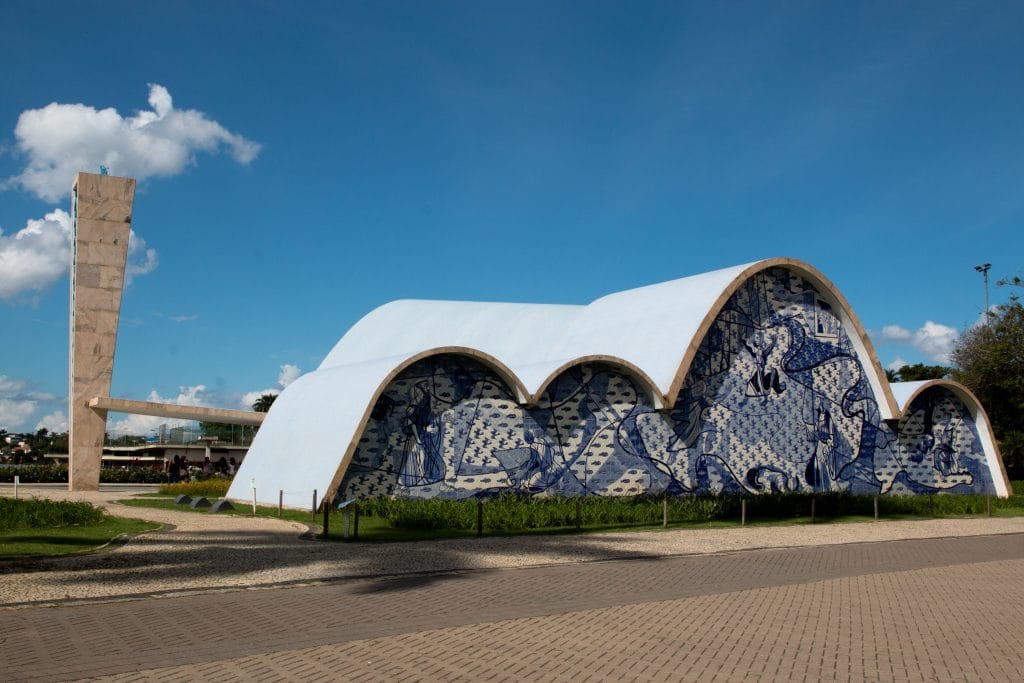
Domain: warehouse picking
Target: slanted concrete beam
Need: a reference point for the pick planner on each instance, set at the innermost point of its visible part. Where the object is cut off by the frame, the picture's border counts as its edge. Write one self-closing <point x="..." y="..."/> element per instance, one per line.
<point x="173" y="410"/>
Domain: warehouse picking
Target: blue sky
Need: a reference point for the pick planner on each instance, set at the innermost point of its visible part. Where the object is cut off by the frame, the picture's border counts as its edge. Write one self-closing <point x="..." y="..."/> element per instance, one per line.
<point x="348" y="154"/>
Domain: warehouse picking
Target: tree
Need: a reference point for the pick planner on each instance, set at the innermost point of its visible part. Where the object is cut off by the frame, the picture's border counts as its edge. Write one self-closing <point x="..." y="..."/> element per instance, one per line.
<point x="58" y="443"/>
<point x="990" y="362"/>
<point x="918" y="372"/>
<point x="263" y="403"/>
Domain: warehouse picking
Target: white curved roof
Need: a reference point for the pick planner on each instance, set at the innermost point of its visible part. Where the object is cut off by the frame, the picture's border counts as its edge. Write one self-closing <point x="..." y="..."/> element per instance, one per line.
<point x="649" y="328"/>
<point x="652" y="332"/>
<point x="906" y="392"/>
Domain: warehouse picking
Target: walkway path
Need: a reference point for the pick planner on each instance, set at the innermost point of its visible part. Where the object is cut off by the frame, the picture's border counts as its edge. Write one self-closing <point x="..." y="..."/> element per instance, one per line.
<point x="935" y="609"/>
<point x="943" y="603"/>
<point x="204" y="552"/>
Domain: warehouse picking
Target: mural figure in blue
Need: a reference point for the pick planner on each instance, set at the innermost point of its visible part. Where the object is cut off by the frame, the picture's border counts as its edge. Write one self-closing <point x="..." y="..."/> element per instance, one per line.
<point x="938" y="447"/>
<point x="776" y="400"/>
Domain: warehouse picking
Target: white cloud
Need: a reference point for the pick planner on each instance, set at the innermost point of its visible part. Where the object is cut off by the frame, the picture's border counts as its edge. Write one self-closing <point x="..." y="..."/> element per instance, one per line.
<point x="895" y="333"/>
<point x="36" y="256"/>
<point x="56" y="421"/>
<point x="936" y="340"/>
<point x="141" y="261"/>
<point x="289" y="373"/>
<point x="16" y="404"/>
<point x="932" y="339"/>
<point x="14" y="413"/>
<point x="143" y="425"/>
<point x="896" y="364"/>
<point x="10" y="386"/>
<point x="62" y="139"/>
<point x="184" y="318"/>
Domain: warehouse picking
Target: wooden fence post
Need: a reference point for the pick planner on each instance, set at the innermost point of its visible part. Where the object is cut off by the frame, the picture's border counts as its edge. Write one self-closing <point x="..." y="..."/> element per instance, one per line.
<point x="479" y="517"/>
<point x="327" y="516"/>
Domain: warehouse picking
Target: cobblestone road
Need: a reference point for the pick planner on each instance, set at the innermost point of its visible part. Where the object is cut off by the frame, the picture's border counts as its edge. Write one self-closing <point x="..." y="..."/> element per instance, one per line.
<point x="926" y="609"/>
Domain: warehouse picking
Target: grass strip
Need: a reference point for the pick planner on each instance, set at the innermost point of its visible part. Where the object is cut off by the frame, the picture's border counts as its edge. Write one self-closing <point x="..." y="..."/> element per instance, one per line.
<point x="382" y="521"/>
<point x="42" y="542"/>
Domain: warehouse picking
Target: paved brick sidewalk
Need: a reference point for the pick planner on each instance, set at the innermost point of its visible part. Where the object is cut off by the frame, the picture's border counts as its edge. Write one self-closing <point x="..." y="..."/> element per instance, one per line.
<point x="932" y="609"/>
<point x="214" y="552"/>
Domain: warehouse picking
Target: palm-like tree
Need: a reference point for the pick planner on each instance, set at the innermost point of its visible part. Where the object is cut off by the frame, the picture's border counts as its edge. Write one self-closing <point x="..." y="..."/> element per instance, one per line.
<point x="263" y="403"/>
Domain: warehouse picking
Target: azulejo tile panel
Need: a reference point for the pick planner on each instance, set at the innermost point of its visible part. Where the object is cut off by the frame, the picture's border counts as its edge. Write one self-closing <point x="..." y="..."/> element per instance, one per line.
<point x="776" y="400"/>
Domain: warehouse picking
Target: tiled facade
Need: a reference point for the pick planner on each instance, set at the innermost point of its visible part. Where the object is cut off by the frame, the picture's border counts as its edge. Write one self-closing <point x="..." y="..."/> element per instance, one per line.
<point x="777" y="399"/>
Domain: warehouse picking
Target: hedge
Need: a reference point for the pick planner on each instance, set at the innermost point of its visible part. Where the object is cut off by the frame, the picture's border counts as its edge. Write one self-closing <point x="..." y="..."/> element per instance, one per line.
<point x="512" y="512"/>
<point x="34" y="513"/>
<point x="56" y="474"/>
<point x="216" y="487"/>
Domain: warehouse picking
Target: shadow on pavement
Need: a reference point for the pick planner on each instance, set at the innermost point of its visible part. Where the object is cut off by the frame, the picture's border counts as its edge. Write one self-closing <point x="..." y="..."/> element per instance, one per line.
<point x="171" y="560"/>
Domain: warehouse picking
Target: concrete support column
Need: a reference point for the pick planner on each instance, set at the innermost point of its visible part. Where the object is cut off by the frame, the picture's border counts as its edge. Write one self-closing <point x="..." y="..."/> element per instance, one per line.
<point x="101" y="209"/>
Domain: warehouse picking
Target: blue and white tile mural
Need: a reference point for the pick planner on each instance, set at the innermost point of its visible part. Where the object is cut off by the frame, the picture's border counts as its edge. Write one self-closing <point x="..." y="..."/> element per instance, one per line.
<point x="776" y="400"/>
<point x="939" y="447"/>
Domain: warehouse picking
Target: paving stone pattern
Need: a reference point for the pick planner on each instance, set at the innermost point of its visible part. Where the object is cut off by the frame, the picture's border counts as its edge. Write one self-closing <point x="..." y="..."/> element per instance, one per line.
<point x="929" y="609"/>
<point x="216" y="552"/>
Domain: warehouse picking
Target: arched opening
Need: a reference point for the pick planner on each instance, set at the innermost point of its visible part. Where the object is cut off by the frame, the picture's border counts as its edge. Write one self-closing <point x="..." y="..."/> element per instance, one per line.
<point x="640" y="378"/>
<point x="946" y="441"/>
<point x="825" y="292"/>
<point x="444" y="424"/>
<point x="775" y="395"/>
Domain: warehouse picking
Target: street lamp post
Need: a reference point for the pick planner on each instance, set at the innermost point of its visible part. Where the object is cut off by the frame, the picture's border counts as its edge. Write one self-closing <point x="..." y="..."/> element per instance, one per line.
<point x="983" y="269"/>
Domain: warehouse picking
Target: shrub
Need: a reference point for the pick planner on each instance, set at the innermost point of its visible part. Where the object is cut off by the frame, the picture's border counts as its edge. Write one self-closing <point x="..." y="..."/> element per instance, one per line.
<point x="58" y="474"/>
<point x="36" y="474"/>
<point x="216" y="487"/>
<point x="514" y="512"/>
<point x="41" y="513"/>
<point x="132" y="475"/>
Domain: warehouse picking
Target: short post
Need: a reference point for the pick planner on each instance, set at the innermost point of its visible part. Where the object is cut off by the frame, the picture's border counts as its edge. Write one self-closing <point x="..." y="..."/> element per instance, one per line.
<point x="579" y="513"/>
<point x="988" y="503"/>
<point x="813" y="501"/>
<point x="327" y="516"/>
<point x="664" y="512"/>
<point x="355" y="522"/>
<point x="876" y="508"/>
<point x="743" y="511"/>
<point x="280" y="502"/>
<point x="348" y="522"/>
<point x="313" y="510"/>
<point x="17" y="480"/>
<point x="479" y="517"/>
<point x="252" y="483"/>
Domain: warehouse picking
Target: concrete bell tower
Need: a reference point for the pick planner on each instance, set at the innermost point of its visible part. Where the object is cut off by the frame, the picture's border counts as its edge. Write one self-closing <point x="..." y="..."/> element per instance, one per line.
<point x="101" y="210"/>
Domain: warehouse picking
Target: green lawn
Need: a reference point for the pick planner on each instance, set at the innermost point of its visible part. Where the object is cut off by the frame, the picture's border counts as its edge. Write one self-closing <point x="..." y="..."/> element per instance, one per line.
<point x="155" y="500"/>
<point x="20" y="543"/>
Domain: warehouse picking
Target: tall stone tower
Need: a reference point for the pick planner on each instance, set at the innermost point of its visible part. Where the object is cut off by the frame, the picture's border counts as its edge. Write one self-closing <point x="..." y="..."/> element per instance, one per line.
<point x="101" y="209"/>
